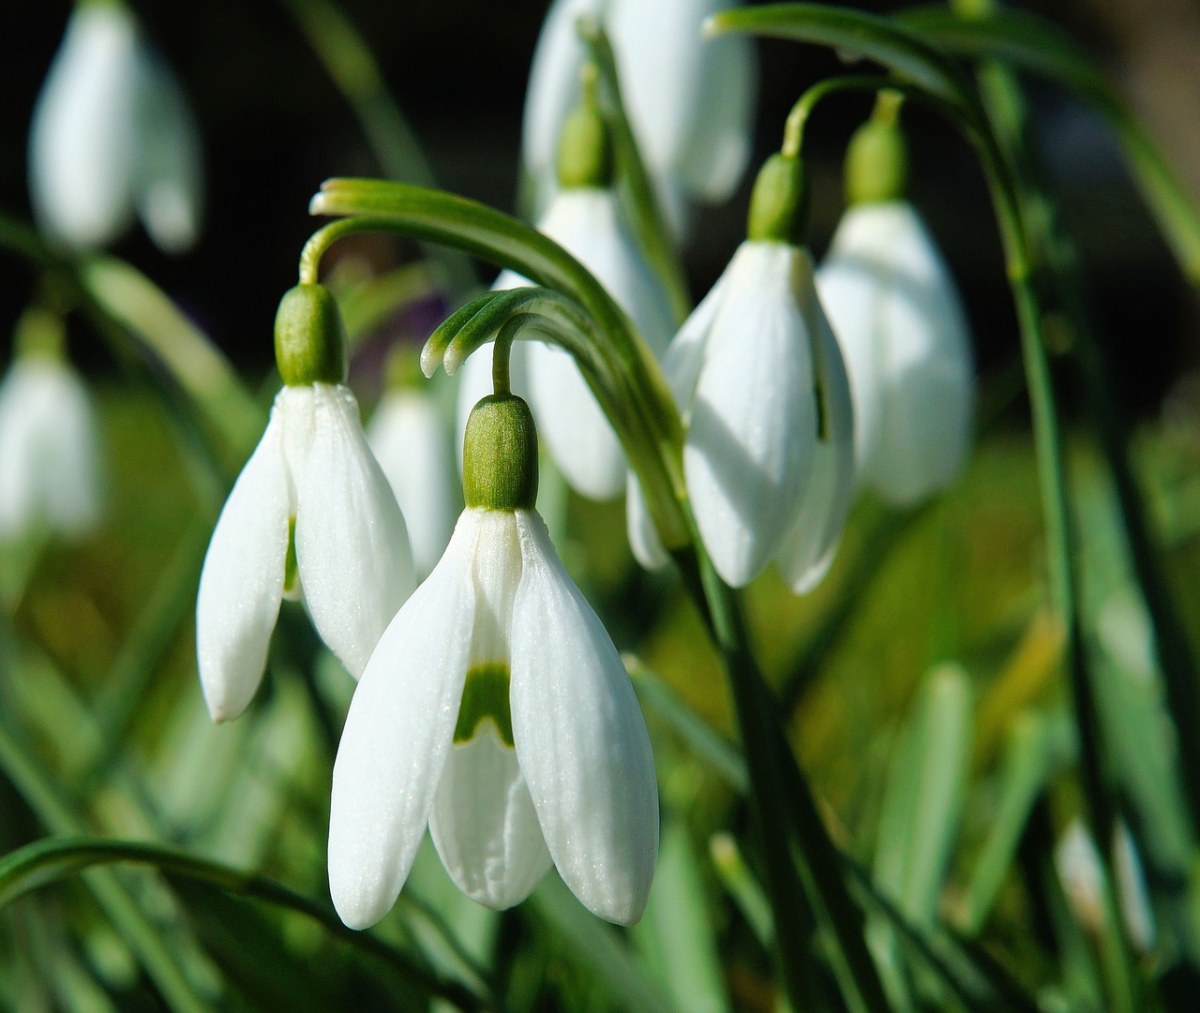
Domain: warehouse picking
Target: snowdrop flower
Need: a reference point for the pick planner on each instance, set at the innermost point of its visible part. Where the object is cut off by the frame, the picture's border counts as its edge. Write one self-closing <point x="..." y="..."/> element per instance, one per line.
<point x="496" y="710"/>
<point x="585" y="218"/>
<point x="901" y="326"/>
<point x="760" y="382"/>
<point x="111" y="133"/>
<point x="690" y="102"/>
<point x="311" y="516"/>
<point x="412" y="442"/>
<point x="49" y="471"/>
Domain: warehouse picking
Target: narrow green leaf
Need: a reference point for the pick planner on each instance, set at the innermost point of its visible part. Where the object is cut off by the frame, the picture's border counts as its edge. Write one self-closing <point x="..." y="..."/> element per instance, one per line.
<point x="599" y="948"/>
<point x="677" y="933"/>
<point x="55" y="859"/>
<point x="853" y="33"/>
<point x="1028" y="759"/>
<point x="923" y="802"/>
<point x="1039" y="47"/>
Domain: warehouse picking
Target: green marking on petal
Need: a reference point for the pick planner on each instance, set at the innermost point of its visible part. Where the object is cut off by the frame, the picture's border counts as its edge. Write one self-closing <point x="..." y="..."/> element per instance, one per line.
<point x="485" y="698"/>
<point x="291" y="572"/>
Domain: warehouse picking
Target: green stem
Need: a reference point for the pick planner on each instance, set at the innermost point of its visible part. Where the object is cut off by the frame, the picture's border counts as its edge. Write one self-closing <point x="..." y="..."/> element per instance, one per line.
<point x="1099" y="802"/>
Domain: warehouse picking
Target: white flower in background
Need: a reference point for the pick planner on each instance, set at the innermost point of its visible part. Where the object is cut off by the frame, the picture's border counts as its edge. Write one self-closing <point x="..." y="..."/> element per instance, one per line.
<point x="897" y="315"/>
<point x="898" y="318"/>
<point x="690" y="102"/>
<point x="587" y="223"/>
<point x="111" y="132"/>
<point x="496" y="710"/>
<point x="49" y="456"/>
<point x="768" y="455"/>
<point x="411" y="439"/>
<point x="311" y="515"/>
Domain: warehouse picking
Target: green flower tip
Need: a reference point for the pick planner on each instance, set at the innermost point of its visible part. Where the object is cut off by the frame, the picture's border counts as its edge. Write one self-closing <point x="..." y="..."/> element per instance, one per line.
<point x="40" y="332"/>
<point x="779" y="203"/>
<point x="585" y="149"/>
<point x="877" y="158"/>
<point x="500" y="455"/>
<point x="310" y="339"/>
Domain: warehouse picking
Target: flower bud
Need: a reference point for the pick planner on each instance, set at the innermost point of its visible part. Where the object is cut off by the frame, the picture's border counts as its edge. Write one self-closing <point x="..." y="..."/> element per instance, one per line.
<point x="500" y="455"/>
<point x="310" y="339"/>
<point x="877" y="158"/>
<point x="585" y="149"/>
<point x="779" y="203"/>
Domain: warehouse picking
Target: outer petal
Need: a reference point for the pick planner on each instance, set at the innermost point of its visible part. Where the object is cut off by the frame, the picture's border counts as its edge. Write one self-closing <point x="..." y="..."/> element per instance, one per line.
<point x="581" y="741"/>
<point x="83" y="141"/>
<point x="352" y="548"/>
<point x="753" y="420"/>
<point x="690" y="100"/>
<point x="809" y="546"/>
<point x="70" y="462"/>
<point x="410" y="438"/>
<point x="898" y="317"/>
<point x="169" y="171"/>
<point x="397" y="737"/>
<point x="242" y="581"/>
<point x="928" y="371"/>
<point x="484" y="825"/>
<point x="588" y="224"/>
<point x="643" y="536"/>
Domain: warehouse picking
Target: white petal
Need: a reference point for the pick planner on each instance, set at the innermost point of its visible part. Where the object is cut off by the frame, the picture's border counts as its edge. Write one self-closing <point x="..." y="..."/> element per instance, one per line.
<point x="690" y="101"/>
<point x="684" y="357"/>
<point x="242" y="580"/>
<point x="643" y="535"/>
<point x="352" y="548"/>
<point x="49" y="457"/>
<point x="588" y="224"/>
<point x="397" y="736"/>
<point x="808" y="548"/>
<point x="580" y="737"/>
<point x="169" y="169"/>
<point x="484" y="825"/>
<point x="83" y="139"/>
<point x="753" y="419"/>
<point x="908" y="350"/>
<point x="412" y="442"/>
<point x="553" y="88"/>
<point x="573" y="426"/>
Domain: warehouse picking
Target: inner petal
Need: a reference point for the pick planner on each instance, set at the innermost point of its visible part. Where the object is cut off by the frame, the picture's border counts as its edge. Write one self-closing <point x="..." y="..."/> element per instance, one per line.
<point x="483" y="822"/>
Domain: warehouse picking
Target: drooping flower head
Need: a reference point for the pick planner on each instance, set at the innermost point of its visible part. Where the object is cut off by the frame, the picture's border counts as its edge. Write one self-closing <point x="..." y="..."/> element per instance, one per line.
<point x="413" y="441"/>
<point x="762" y="388"/>
<point x="496" y="711"/>
<point x="112" y="134"/>
<point x="691" y="102"/>
<point x="897" y="315"/>
<point x="49" y="453"/>
<point x="311" y="517"/>
<point x="586" y="219"/>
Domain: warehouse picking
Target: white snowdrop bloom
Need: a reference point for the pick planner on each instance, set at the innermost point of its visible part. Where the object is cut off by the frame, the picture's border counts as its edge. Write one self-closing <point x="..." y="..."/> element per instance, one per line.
<point x="768" y="455"/>
<point x="111" y="132"/>
<point x="412" y="442"/>
<point x="898" y="318"/>
<point x="690" y="102"/>
<point x="49" y="470"/>
<point x="497" y="711"/>
<point x="587" y="222"/>
<point x="311" y="516"/>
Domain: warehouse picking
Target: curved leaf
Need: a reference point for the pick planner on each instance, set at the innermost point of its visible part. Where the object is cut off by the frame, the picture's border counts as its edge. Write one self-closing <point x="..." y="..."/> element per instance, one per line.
<point x="854" y="33"/>
<point x="1036" y="46"/>
<point x="57" y="858"/>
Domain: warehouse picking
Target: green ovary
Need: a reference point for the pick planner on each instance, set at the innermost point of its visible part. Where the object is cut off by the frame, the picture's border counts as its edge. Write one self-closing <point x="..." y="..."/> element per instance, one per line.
<point x="485" y="698"/>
